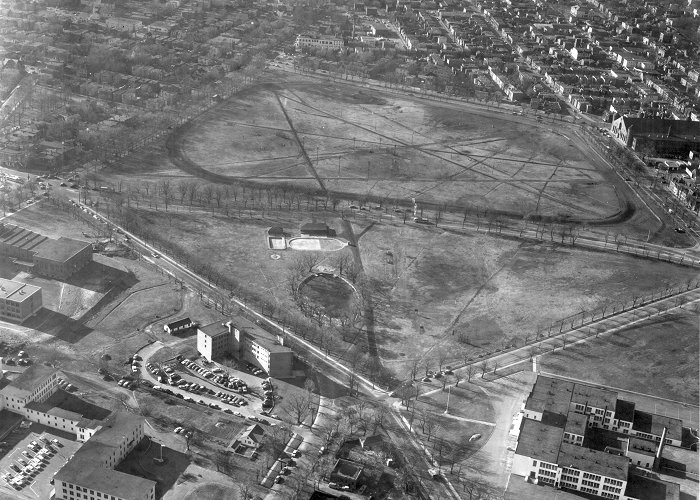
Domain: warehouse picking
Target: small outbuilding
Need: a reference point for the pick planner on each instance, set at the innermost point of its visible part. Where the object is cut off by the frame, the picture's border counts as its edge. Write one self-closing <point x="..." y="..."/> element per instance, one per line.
<point x="178" y="326"/>
<point x="315" y="229"/>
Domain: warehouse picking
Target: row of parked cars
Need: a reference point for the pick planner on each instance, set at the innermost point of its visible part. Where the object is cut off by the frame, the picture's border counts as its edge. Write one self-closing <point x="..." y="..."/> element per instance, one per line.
<point x="32" y="462"/>
<point x="63" y="384"/>
<point x="217" y="375"/>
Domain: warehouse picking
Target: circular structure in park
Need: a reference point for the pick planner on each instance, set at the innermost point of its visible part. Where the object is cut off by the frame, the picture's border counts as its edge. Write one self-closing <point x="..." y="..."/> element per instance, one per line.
<point x="334" y="295"/>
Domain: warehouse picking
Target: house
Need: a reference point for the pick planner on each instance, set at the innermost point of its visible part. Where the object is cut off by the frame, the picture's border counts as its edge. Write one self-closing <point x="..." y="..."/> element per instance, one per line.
<point x="178" y="325"/>
<point x="247" y="441"/>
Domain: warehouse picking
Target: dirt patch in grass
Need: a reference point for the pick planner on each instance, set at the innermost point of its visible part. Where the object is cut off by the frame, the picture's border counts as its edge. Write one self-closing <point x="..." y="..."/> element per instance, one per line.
<point x="668" y="345"/>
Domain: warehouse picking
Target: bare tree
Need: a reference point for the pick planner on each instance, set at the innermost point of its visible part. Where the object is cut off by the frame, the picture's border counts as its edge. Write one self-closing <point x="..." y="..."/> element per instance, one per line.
<point x="297" y="406"/>
<point x="166" y="191"/>
<point x="441" y="358"/>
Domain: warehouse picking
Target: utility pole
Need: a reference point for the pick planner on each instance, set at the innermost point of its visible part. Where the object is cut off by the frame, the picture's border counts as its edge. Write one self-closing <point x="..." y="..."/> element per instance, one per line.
<point x="447" y="408"/>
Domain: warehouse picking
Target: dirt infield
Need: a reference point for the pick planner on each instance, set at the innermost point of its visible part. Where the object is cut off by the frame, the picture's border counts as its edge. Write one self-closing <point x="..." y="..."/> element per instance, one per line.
<point x="360" y="142"/>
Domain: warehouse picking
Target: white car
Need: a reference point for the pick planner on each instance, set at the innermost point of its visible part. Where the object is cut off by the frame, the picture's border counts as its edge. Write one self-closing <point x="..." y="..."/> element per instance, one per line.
<point x="178" y="430"/>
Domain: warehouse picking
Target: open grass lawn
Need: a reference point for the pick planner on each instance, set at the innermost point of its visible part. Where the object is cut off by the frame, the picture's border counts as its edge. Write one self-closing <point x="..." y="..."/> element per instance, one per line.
<point x="237" y="248"/>
<point x="466" y="401"/>
<point x="365" y="142"/>
<point x="659" y="357"/>
<point x="475" y="292"/>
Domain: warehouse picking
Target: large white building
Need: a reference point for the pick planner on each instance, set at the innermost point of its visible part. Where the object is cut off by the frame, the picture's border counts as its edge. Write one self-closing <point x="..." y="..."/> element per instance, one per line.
<point x="328" y="42"/>
<point x="583" y="438"/>
<point x="248" y="342"/>
<point x="89" y="473"/>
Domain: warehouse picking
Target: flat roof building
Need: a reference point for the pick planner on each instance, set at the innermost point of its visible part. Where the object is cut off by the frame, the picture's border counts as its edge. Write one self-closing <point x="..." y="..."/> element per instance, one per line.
<point x="562" y="419"/>
<point x="248" y="342"/>
<point x="18" y="301"/>
<point x="90" y="472"/>
<point x="55" y="258"/>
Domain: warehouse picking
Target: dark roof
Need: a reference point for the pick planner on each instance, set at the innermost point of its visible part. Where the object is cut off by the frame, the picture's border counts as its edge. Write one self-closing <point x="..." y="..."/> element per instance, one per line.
<point x="654" y="424"/>
<point x="596" y="462"/>
<point x="551" y="394"/>
<point x="624" y="410"/>
<point x="647" y="488"/>
<point x="594" y="396"/>
<point x="60" y="250"/>
<point x="539" y="441"/>
<point x="82" y="470"/>
<point x="346" y="468"/>
<point x="320" y="495"/>
<point x="643" y="446"/>
<point x="276" y="231"/>
<point x="178" y="323"/>
<point x="576" y="423"/>
<point x="662" y="127"/>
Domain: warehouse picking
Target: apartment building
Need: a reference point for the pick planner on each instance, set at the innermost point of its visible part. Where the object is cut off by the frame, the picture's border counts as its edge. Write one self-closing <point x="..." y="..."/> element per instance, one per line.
<point x="248" y="342"/>
<point x="584" y="438"/>
<point x="18" y="301"/>
<point x="90" y="473"/>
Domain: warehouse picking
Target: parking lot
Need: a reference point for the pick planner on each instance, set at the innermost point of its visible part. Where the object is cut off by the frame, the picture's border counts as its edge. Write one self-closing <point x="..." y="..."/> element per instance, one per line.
<point x="35" y="465"/>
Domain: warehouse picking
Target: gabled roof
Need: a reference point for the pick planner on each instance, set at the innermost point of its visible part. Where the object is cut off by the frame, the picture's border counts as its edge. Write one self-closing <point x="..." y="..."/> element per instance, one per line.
<point x="179" y="323"/>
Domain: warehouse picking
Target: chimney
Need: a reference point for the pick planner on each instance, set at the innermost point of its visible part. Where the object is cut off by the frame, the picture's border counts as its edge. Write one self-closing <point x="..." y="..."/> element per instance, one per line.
<point x="660" y="449"/>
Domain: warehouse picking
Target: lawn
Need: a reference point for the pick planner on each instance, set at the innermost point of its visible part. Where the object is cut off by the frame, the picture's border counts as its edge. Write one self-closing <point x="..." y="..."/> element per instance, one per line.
<point x="477" y="292"/>
<point x="658" y="357"/>
<point x="361" y="142"/>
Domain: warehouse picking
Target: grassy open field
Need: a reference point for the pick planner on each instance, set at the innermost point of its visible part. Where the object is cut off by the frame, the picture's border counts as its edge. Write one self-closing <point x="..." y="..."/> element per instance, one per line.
<point x="363" y="142"/>
<point x="475" y="292"/>
<point x="658" y="357"/>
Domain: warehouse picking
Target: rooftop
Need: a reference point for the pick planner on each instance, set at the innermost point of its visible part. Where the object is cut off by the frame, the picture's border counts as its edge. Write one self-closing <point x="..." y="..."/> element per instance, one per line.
<point x="654" y="424"/>
<point x="624" y="410"/>
<point x="346" y="468"/>
<point x="214" y="329"/>
<point x="179" y="322"/>
<point x="576" y="424"/>
<point x="262" y="337"/>
<point x="82" y="470"/>
<point x="539" y="441"/>
<point x="596" y="462"/>
<point x="551" y="394"/>
<point x="643" y="446"/>
<point x="16" y="291"/>
<point x="25" y="383"/>
<point x="60" y="250"/>
<point x="646" y="488"/>
<point x="595" y="397"/>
